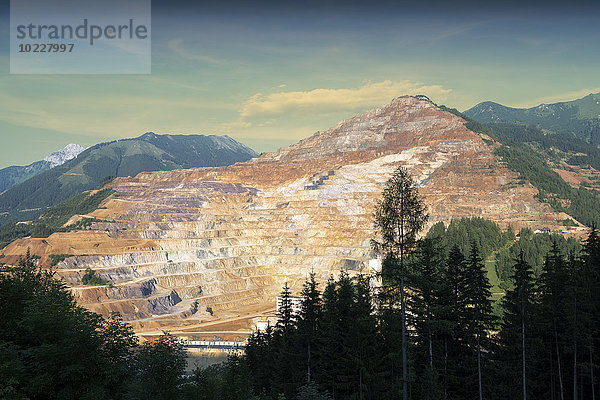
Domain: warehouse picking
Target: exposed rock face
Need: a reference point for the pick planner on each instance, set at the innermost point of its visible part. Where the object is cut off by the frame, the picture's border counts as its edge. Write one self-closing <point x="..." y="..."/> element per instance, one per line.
<point x="69" y="152"/>
<point x="226" y="239"/>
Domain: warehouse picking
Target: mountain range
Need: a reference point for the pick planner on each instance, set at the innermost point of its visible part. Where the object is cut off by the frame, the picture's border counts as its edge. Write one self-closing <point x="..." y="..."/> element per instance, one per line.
<point x="102" y="162"/>
<point x="580" y="117"/>
<point x="190" y="248"/>
<point x="14" y="175"/>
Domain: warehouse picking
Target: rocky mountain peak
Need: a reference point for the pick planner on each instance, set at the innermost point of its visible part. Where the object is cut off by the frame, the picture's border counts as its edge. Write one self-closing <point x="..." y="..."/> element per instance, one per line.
<point x="67" y="153"/>
<point x="373" y="129"/>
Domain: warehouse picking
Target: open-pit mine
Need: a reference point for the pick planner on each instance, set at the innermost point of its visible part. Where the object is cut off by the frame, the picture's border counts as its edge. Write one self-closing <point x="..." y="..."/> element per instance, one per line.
<point x="208" y="249"/>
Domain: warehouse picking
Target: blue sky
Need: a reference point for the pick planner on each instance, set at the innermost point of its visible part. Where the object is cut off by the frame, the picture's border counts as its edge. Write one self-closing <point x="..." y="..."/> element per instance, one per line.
<point x="272" y="73"/>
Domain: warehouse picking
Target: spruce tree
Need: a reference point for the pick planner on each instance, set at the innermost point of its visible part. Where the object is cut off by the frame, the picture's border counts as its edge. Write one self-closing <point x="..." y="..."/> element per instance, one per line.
<point x="260" y="357"/>
<point x="552" y="290"/>
<point x="328" y="345"/>
<point x="346" y="363"/>
<point x="479" y="308"/>
<point x="515" y="335"/>
<point x="425" y="283"/>
<point x="284" y="335"/>
<point x="575" y="317"/>
<point x="399" y="216"/>
<point x="308" y="324"/>
<point x="364" y="339"/>
<point x="454" y="334"/>
<point x="390" y="348"/>
<point x="285" y="312"/>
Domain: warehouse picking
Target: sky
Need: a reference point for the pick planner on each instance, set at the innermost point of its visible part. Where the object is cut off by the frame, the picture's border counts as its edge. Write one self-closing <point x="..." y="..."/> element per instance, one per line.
<point x="272" y="73"/>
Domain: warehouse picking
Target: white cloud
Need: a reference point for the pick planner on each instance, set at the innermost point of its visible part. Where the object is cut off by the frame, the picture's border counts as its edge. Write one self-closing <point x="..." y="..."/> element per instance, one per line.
<point x="334" y="100"/>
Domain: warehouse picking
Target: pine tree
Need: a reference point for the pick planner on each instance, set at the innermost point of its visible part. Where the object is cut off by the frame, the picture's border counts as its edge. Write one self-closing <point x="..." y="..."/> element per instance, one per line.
<point x="552" y="296"/>
<point x="399" y="216"/>
<point x="390" y="349"/>
<point x="328" y="348"/>
<point x="581" y="318"/>
<point x="346" y="369"/>
<point x="308" y="323"/>
<point x="286" y="372"/>
<point x="260" y="357"/>
<point x="518" y="306"/>
<point x="479" y="308"/>
<point x="454" y="318"/>
<point x="425" y="283"/>
<point x="364" y="338"/>
<point x="285" y="312"/>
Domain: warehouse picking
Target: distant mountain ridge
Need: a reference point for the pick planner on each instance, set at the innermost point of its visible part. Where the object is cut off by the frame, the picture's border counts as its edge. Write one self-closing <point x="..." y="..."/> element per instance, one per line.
<point x="580" y="117"/>
<point x="15" y="174"/>
<point x="126" y="157"/>
<point x="67" y="153"/>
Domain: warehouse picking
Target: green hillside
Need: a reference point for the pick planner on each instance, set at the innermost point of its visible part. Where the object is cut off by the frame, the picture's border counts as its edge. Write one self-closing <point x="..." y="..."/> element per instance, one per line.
<point x="127" y="157"/>
<point x="55" y="218"/>
<point x="14" y="175"/>
<point x="535" y="154"/>
<point x="580" y="117"/>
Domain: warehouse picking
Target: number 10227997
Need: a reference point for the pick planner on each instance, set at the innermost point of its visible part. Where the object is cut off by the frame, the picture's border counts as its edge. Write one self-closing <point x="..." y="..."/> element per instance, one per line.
<point x="46" y="47"/>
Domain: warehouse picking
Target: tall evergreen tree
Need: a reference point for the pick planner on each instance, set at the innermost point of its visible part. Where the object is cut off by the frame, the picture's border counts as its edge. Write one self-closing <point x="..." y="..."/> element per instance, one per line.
<point x="580" y="316"/>
<point x="478" y="296"/>
<point x="364" y="338"/>
<point x="518" y="306"/>
<point x="260" y="357"/>
<point x="346" y="368"/>
<point x="308" y="323"/>
<point x="552" y="289"/>
<point x="329" y="348"/>
<point x="390" y="349"/>
<point x="425" y="282"/>
<point x="285" y="311"/>
<point x="454" y="336"/>
<point x="399" y="216"/>
<point x="286" y="372"/>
